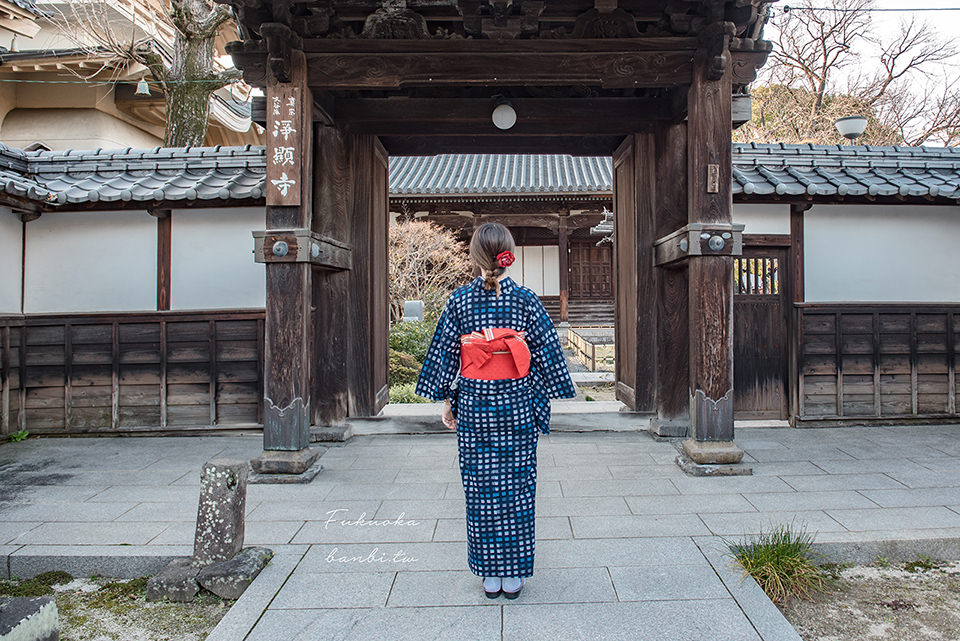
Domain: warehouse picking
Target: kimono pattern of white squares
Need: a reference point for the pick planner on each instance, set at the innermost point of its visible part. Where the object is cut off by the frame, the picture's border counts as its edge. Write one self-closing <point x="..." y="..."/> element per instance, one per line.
<point x="498" y="421"/>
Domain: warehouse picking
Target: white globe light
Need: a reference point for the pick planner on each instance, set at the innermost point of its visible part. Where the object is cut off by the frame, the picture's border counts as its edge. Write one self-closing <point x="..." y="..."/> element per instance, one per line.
<point x="504" y="116"/>
<point x="850" y="127"/>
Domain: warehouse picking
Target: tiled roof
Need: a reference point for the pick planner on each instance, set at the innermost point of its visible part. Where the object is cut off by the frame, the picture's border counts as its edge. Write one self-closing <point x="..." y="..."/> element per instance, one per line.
<point x="237" y="173"/>
<point x="830" y="170"/>
<point x="457" y="174"/>
<point x="137" y="175"/>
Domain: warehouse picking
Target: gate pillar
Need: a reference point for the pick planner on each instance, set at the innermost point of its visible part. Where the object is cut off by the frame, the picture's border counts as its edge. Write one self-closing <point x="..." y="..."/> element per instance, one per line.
<point x="286" y="247"/>
<point x="712" y="240"/>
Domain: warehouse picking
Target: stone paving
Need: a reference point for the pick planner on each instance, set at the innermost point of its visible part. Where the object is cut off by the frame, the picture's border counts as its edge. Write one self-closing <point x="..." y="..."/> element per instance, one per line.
<point x="628" y="546"/>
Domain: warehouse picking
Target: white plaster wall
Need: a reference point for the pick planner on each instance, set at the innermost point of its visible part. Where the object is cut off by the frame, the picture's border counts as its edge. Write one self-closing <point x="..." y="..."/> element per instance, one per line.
<point x="763" y="219"/>
<point x="212" y="259"/>
<point x="11" y="248"/>
<point x="533" y="268"/>
<point x="91" y="262"/>
<point x="882" y="253"/>
<point x="82" y="128"/>
<point x="537" y="267"/>
<point x="551" y="270"/>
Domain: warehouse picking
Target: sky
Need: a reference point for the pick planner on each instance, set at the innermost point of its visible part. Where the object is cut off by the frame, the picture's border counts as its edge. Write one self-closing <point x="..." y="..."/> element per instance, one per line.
<point x="885" y="24"/>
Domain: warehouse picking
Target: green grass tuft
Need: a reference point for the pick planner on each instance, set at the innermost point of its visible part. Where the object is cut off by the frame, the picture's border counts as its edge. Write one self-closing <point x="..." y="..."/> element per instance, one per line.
<point x="922" y="563"/>
<point x="20" y="435"/>
<point x="405" y="394"/>
<point x="781" y="563"/>
<point x="37" y="586"/>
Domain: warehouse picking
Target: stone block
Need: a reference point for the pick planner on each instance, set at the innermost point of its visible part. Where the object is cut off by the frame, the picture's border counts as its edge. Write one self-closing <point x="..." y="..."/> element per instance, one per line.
<point x="712" y="452"/>
<point x="29" y="619"/>
<point x="228" y="579"/>
<point x="285" y="461"/>
<point x="220" y="514"/>
<point x="176" y="582"/>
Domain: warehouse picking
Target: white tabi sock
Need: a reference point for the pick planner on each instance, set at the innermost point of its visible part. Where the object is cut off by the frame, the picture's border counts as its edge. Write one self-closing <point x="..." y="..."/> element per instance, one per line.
<point x="491" y="584"/>
<point x="512" y="584"/>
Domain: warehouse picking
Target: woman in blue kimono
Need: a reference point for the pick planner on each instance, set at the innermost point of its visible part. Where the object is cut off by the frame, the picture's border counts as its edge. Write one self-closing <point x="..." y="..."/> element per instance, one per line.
<point x="498" y="421"/>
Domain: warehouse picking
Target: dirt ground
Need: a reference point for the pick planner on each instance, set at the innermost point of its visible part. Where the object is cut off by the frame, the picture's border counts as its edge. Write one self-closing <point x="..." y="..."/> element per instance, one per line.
<point x="100" y="609"/>
<point x="918" y="601"/>
<point x="596" y="392"/>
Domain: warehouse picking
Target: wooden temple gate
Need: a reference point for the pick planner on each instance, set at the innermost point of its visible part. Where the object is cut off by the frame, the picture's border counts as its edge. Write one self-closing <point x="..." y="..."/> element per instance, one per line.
<point x="348" y="82"/>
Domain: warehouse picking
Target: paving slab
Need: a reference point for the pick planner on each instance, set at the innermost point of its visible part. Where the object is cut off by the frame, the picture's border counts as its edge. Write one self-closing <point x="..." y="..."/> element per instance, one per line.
<point x="914" y="497"/>
<point x="109" y="533"/>
<point x="299" y="510"/>
<point x="623" y="526"/>
<point x="584" y="506"/>
<point x="813" y="500"/>
<point x="754" y="522"/>
<point x="384" y="491"/>
<point x="263" y="533"/>
<point x="10" y="530"/>
<point x="462" y="587"/>
<point x="625" y="487"/>
<point x="422" y="509"/>
<point x="306" y="590"/>
<point x="667" y="582"/>
<point x="924" y="478"/>
<point x="416" y="624"/>
<point x="688" y="504"/>
<point x="370" y="530"/>
<point x="826" y="481"/>
<point x="900" y="517"/>
<point x="93" y="512"/>
<point x="629" y="621"/>
<point x="616" y="552"/>
<point x="545" y="527"/>
<point x="384" y="557"/>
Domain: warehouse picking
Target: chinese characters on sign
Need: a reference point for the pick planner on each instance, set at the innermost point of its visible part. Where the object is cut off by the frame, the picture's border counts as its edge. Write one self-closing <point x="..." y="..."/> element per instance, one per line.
<point x="284" y="145"/>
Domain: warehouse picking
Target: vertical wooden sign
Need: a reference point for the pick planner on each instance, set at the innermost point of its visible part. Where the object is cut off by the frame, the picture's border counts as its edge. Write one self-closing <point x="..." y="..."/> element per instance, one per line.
<point x="284" y="145"/>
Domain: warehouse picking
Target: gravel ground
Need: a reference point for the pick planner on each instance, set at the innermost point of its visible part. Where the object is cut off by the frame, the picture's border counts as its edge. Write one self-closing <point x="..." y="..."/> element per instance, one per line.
<point x="909" y="602"/>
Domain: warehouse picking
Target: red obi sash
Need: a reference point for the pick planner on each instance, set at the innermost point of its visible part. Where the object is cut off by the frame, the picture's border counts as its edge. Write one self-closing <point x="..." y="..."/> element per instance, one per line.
<point x="494" y="354"/>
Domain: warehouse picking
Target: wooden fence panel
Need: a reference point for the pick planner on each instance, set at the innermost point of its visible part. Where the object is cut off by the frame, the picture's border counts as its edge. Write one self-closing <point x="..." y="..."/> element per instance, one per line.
<point x="131" y="372"/>
<point x="877" y="361"/>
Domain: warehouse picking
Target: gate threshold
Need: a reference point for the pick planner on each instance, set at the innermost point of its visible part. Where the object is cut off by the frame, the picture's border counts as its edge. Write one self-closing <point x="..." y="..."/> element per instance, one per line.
<point x="566" y="416"/>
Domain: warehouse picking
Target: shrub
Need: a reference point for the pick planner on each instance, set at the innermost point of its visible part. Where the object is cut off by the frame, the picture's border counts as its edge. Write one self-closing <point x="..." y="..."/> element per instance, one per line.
<point x="426" y="262"/>
<point x="405" y="394"/>
<point x="404" y="368"/>
<point x="412" y="337"/>
<point x="780" y="563"/>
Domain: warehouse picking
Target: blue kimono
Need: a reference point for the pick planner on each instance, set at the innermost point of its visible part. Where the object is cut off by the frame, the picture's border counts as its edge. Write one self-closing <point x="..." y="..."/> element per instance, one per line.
<point x="498" y="421"/>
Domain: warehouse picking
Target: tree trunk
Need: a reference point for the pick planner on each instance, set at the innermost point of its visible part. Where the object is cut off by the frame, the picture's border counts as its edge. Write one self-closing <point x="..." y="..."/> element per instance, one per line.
<point x="191" y="77"/>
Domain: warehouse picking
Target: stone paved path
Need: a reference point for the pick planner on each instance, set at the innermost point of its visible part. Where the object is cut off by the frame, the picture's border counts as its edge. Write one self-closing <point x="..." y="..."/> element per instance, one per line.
<point x="628" y="547"/>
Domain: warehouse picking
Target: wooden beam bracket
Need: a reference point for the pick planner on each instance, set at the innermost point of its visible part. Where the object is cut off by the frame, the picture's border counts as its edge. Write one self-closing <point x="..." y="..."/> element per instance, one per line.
<point x="301" y="246"/>
<point x="699" y="239"/>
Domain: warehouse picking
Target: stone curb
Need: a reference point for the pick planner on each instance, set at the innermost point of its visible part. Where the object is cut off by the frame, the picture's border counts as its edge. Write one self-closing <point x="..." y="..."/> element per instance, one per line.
<point x="894" y="550"/>
<point x="122" y="562"/>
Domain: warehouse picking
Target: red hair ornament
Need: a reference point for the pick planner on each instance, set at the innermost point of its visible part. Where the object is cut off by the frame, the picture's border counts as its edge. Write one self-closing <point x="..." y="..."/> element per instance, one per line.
<point x="505" y="258"/>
